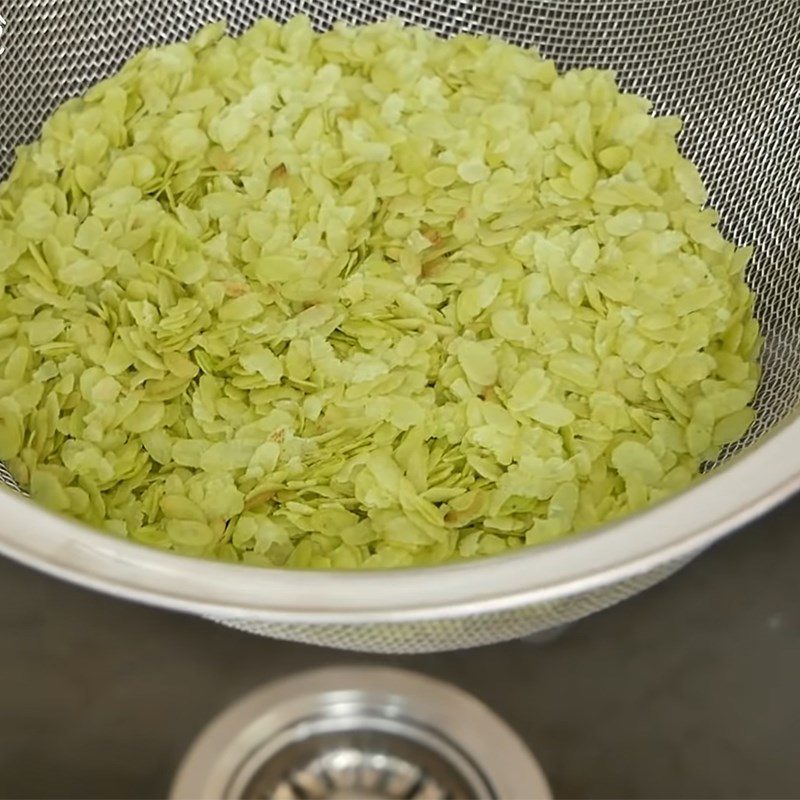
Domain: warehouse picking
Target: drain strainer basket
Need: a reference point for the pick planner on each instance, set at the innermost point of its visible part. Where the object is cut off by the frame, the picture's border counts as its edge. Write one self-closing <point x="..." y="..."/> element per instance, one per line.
<point x="358" y="734"/>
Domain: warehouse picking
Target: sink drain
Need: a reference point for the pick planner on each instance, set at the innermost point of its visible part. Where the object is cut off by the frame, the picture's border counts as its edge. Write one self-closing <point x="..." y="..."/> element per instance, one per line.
<point x="358" y="734"/>
<point x="369" y="761"/>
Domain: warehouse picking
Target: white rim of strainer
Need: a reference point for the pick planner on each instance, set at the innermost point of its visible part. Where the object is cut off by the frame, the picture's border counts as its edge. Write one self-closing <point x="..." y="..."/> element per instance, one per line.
<point x="675" y="528"/>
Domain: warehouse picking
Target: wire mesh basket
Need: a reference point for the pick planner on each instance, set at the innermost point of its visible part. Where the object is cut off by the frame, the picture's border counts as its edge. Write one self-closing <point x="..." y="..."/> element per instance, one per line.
<point x="729" y="68"/>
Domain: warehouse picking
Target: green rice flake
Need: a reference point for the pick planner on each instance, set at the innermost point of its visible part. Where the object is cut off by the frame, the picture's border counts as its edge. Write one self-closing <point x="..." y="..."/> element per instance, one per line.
<point x="365" y="298"/>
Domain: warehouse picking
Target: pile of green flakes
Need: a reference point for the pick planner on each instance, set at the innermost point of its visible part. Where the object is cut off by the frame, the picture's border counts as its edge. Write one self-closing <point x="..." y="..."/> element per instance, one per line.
<point x="362" y="299"/>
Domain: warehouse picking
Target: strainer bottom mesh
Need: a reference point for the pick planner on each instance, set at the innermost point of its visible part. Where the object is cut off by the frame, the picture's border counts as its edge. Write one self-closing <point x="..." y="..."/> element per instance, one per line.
<point x="452" y="634"/>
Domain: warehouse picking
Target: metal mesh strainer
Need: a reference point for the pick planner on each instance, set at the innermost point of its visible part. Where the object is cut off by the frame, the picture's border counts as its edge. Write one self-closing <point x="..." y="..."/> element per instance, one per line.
<point x="729" y="68"/>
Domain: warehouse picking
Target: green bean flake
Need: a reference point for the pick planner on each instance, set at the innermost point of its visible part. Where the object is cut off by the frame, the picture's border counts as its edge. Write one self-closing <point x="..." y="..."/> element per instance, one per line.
<point x="364" y="298"/>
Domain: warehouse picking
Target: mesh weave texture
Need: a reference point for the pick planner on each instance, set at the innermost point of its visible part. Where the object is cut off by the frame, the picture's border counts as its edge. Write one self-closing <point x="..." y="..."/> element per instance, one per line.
<point x="453" y="633"/>
<point x="729" y="68"/>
